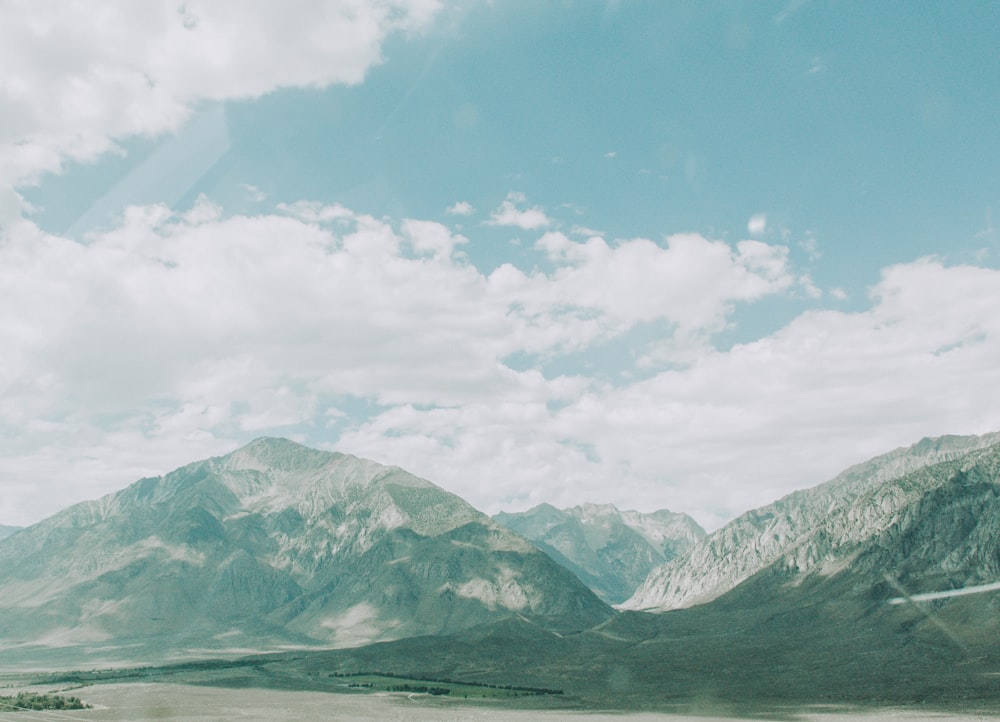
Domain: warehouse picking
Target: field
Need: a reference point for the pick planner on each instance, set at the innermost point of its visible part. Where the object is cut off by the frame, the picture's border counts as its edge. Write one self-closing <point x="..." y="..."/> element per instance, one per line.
<point x="146" y="702"/>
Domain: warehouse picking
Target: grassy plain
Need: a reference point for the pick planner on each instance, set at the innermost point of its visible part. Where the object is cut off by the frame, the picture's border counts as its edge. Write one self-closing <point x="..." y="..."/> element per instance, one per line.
<point x="151" y="701"/>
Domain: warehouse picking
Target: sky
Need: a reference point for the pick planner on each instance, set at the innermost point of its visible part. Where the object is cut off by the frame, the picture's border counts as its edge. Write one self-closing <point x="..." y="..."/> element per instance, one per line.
<point x="691" y="256"/>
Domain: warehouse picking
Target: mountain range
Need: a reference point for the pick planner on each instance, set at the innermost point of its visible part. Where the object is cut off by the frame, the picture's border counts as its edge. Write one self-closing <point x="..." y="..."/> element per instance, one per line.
<point x="879" y="586"/>
<point x="610" y="550"/>
<point x="276" y="544"/>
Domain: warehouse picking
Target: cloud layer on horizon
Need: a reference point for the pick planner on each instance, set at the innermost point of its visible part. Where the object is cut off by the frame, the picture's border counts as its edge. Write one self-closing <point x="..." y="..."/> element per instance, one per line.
<point x="175" y="336"/>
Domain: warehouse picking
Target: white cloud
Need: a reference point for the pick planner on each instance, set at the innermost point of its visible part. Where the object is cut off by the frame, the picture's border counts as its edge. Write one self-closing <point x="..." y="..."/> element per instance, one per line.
<point x="430" y="237"/>
<point x="739" y="428"/>
<point x="508" y="214"/>
<point x="757" y="224"/>
<point x="460" y="208"/>
<point x="179" y="335"/>
<point x="77" y="78"/>
<point x="692" y="282"/>
<point x="186" y="332"/>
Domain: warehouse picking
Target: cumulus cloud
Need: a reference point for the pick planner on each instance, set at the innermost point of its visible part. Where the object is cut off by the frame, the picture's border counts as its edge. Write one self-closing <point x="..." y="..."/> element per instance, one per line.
<point x="692" y="283"/>
<point x="508" y="214"/>
<point x="179" y="335"/>
<point x="741" y="427"/>
<point x="460" y="208"/>
<point x="77" y="79"/>
<point x="194" y="330"/>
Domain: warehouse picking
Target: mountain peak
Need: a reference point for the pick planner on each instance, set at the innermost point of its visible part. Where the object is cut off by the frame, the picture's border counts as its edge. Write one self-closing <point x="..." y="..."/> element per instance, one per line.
<point x="280" y="542"/>
<point x="276" y="453"/>
<point x="810" y="525"/>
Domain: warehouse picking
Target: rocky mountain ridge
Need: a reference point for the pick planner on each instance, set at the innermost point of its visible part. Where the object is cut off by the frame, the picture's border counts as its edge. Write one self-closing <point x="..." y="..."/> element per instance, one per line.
<point x="610" y="550"/>
<point x="808" y="530"/>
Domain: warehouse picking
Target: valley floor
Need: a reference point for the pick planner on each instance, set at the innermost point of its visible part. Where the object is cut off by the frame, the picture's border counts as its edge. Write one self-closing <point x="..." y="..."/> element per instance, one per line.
<point x="145" y="702"/>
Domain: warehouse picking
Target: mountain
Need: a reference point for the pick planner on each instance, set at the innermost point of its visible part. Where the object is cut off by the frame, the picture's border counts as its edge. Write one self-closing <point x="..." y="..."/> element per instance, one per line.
<point x="889" y="598"/>
<point x="274" y="544"/>
<point x="610" y="550"/>
<point x="808" y="529"/>
<point x="6" y="531"/>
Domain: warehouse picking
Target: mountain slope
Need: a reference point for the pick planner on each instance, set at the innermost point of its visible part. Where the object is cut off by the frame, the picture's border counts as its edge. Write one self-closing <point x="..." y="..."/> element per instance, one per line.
<point x="837" y="617"/>
<point x="6" y="531"/>
<point x="859" y="503"/>
<point x="610" y="550"/>
<point x="276" y="543"/>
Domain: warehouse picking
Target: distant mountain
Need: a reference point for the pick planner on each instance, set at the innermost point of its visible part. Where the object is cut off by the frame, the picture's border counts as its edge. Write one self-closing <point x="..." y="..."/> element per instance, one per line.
<point x="6" y="531"/>
<point x="272" y="544"/>
<point x="809" y="530"/>
<point x="610" y="550"/>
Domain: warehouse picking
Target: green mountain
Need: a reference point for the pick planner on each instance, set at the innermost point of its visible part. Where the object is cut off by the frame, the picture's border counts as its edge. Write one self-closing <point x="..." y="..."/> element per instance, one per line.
<point x="275" y="544"/>
<point x="890" y="597"/>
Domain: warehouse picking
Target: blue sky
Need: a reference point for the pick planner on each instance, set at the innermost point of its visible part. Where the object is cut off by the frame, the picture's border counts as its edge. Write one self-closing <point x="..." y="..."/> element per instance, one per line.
<point x="655" y="254"/>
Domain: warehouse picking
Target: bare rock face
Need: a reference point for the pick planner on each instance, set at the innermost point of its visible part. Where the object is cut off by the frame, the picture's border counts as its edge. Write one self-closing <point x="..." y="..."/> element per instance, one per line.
<point x="821" y="530"/>
<point x="610" y="550"/>
<point x="276" y="544"/>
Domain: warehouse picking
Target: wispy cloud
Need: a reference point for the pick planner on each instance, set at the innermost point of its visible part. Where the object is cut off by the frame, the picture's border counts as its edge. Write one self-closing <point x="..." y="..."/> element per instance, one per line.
<point x="254" y="193"/>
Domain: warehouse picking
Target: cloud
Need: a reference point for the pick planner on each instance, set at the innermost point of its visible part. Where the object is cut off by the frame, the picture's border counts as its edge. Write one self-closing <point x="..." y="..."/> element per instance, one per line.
<point x="736" y="428"/>
<point x="187" y="333"/>
<point x="430" y="237"/>
<point x="76" y="80"/>
<point x="461" y="208"/>
<point x="692" y="282"/>
<point x="757" y="224"/>
<point x="585" y="231"/>
<point x="254" y="194"/>
<point x="508" y="214"/>
<point x="178" y="335"/>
